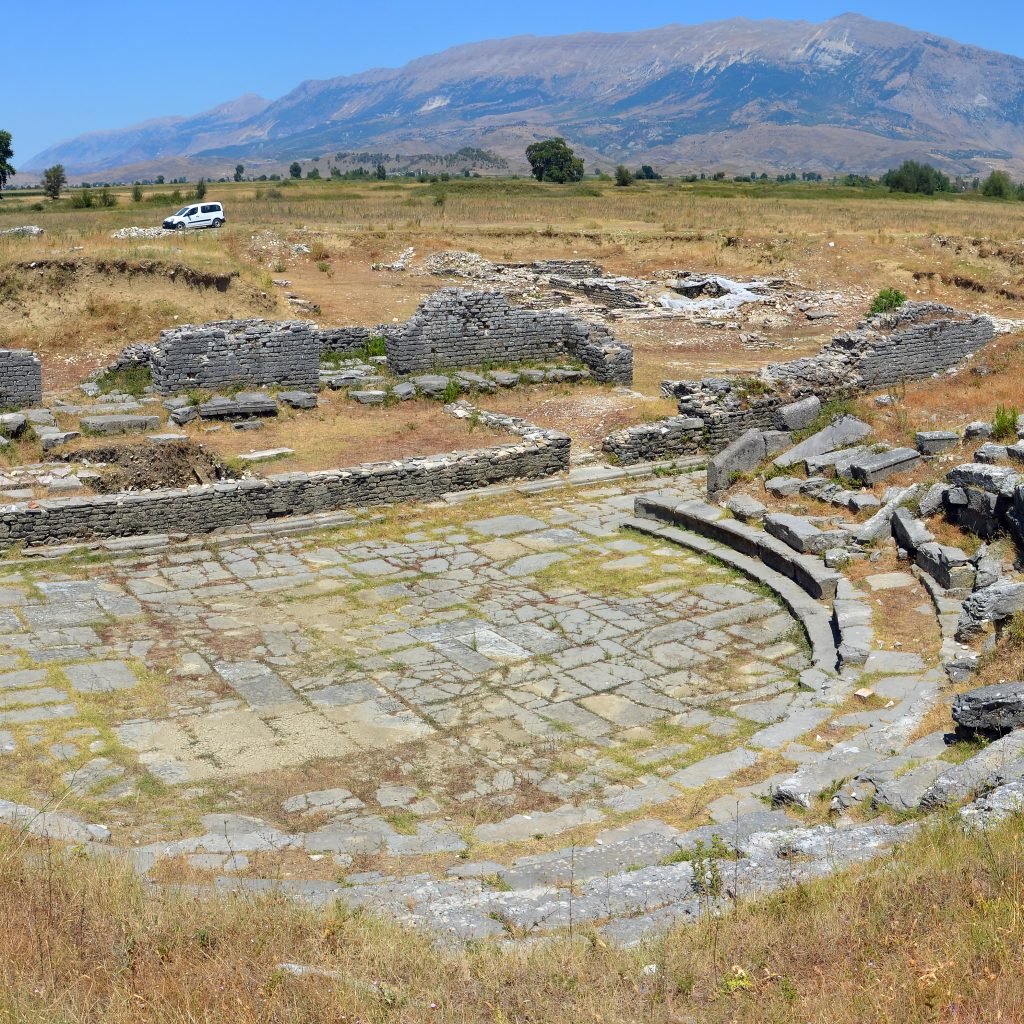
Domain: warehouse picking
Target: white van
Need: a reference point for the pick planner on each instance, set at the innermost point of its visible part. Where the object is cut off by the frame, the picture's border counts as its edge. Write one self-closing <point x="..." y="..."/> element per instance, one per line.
<point x="198" y="215"/>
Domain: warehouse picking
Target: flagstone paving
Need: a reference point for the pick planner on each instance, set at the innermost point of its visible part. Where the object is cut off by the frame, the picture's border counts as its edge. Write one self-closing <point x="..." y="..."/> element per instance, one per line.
<point x="480" y="721"/>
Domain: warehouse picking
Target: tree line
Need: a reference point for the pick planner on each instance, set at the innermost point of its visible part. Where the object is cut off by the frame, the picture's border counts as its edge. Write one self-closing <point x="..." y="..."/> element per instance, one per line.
<point x="553" y="160"/>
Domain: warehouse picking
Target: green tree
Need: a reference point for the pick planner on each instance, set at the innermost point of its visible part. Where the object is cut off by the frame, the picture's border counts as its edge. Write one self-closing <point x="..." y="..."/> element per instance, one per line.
<point x="381" y="172"/>
<point x="998" y="185"/>
<point x="54" y="179"/>
<point x="200" y="192"/>
<point x="239" y="171"/>
<point x="623" y="176"/>
<point x="6" y="153"/>
<point x="648" y="173"/>
<point x="159" y="179"/>
<point x="314" y="174"/>
<point x="554" y="160"/>
<point x="136" y="193"/>
<point x="295" y="170"/>
<point x="914" y="178"/>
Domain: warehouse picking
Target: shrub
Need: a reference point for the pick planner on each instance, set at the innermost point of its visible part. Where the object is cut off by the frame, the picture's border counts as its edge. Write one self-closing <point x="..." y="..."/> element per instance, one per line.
<point x="912" y="177"/>
<point x="887" y="300"/>
<point x="623" y="176"/>
<point x="132" y="380"/>
<point x="136" y="193"/>
<point x="998" y="186"/>
<point x="1004" y="423"/>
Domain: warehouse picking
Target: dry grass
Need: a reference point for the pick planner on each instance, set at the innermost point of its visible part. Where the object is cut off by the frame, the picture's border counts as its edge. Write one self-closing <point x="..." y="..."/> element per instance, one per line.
<point x="933" y="934"/>
<point x="341" y="432"/>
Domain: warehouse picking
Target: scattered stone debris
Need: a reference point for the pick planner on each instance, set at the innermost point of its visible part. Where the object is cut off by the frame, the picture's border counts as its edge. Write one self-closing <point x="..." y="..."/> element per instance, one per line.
<point x="400" y="264"/>
<point x="137" y="232"/>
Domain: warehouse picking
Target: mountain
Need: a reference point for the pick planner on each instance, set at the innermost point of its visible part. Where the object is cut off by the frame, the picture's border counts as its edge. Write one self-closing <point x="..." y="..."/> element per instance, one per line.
<point x="848" y="95"/>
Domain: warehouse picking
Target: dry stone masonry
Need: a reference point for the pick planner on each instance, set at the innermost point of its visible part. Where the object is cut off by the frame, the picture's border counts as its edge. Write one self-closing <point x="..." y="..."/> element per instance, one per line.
<point x="205" y="508"/>
<point x="231" y="352"/>
<point x="21" y="378"/>
<point x="456" y="327"/>
<point x="919" y="339"/>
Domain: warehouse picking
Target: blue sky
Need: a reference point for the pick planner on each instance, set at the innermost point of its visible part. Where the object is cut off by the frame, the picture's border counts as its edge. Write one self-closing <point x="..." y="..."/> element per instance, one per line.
<point x="84" y="67"/>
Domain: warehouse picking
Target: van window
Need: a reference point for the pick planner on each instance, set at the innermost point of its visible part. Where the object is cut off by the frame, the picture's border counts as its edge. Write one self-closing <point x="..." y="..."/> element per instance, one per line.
<point x="212" y="208"/>
<point x="191" y="211"/>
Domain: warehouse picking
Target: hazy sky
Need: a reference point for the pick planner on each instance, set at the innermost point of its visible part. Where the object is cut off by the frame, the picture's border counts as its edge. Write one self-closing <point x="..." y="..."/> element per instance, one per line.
<point x="80" y="67"/>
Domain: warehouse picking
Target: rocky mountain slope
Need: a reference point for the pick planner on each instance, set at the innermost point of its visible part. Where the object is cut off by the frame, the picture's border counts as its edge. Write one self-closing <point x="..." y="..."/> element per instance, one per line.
<point x="850" y="94"/>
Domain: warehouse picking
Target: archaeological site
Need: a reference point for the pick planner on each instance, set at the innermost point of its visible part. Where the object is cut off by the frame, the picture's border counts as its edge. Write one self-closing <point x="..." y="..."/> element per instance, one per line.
<point x="497" y="600"/>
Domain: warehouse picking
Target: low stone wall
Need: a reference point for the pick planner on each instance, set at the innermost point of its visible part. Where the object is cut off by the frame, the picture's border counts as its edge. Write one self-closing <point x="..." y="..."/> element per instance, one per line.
<point x="230" y="352"/>
<point x="649" y="442"/>
<point x="914" y="342"/>
<point x="348" y="340"/>
<point x="455" y="327"/>
<point x="204" y="509"/>
<point x="919" y="339"/>
<point x="21" y="378"/>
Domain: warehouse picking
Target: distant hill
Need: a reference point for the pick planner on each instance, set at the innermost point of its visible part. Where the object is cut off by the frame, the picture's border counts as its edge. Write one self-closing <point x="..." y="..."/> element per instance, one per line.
<point x="848" y="95"/>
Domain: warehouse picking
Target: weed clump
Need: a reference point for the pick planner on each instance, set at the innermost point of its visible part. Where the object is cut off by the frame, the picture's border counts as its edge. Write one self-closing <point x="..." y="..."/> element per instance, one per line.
<point x="1004" y="423"/>
<point x="887" y="300"/>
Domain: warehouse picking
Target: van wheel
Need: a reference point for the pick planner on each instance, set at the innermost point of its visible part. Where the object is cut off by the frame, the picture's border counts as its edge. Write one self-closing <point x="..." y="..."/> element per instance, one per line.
<point x="218" y="223"/>
<point x="181" y="227"/>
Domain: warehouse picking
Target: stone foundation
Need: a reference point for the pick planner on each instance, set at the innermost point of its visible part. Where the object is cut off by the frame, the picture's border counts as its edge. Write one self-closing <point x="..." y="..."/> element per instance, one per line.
<point x="913" y="342"/>
<point x="204" y="509"/>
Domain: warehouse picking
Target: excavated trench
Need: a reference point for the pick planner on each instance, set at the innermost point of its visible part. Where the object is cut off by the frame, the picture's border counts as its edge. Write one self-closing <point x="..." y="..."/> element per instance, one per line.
<point x="136" y="467"/>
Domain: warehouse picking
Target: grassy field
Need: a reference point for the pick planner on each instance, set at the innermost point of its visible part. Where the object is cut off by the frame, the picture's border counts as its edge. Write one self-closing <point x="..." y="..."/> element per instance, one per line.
<point x="932" y="933"/>
<point x="96" y="294"/>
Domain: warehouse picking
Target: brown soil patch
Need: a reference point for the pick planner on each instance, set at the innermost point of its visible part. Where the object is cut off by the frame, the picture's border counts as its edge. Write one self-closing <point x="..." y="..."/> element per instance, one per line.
<point x="137" y="465"/>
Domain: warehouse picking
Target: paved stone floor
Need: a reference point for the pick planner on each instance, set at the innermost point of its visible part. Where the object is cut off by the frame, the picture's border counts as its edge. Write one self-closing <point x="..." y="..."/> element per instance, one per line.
<point x="491" y="718"/>
<point x="522" y="646"/>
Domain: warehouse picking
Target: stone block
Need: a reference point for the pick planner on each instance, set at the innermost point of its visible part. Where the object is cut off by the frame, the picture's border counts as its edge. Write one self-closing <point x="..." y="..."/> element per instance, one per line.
<point x="746" y="508"/>
<point x="797" y="532"/>
<point x="934" y="442"/>
<point x="800" y="415"/>
<point x="872" y="469"/>
<point x="783" y="486"/>
<point x="746" y="453"/>
<point x="298" y="399"/>
<point x="119" y="424"/>
<point x="910" y="533"/>
<point x="991" y="452"/>
<point x="845" y="431"/>
<point x="990" y="709"/>
<point x="949" y="566"/>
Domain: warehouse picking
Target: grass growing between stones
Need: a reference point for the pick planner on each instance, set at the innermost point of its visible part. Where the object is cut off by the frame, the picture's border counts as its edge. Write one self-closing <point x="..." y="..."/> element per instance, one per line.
<point x="598" y="571"/>
<point x="933" y="933"/>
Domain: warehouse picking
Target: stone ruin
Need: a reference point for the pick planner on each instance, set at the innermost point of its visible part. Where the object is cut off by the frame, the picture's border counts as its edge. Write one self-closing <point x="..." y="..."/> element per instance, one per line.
<point x="230" y="352"/>
<point x="453" y="328"/>
<point x="21" y="378"/>
<point x="915" y="341"/>
<point x="457" y="328"/>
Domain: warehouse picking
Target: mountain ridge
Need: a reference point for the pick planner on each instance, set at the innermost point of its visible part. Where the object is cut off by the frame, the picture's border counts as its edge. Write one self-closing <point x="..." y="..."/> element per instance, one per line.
<point x="847" y="94"/>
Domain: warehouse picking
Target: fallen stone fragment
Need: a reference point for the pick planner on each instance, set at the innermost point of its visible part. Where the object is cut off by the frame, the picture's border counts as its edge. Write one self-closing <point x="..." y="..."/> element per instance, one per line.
<point x="990" y="709"/>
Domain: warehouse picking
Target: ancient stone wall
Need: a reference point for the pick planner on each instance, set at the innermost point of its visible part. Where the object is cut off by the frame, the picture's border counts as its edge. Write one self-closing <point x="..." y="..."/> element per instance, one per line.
<point x="21" y="378"/>
<point x="913" y="342"/>
<point x="230" y="352"/>
<point x="203" y="509"/>
<point x="650" y="442"/>
<point x="456" y="327"/>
